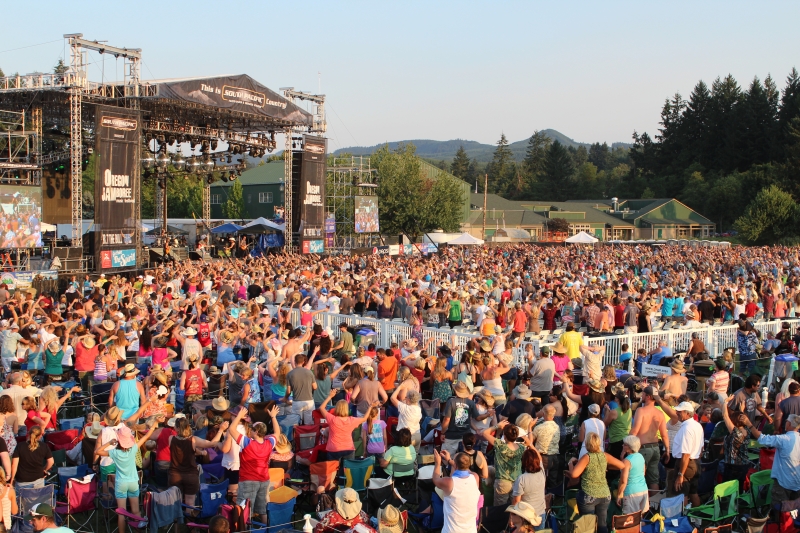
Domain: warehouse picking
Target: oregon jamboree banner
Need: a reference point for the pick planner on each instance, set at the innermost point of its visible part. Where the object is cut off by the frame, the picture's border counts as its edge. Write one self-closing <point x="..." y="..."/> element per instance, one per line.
<point x="117" y="135"/>
<point x="312" y="193"/>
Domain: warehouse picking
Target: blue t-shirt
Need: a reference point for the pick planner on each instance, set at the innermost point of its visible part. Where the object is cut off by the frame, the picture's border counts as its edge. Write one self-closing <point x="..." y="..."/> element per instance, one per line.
<point x="656" y="358"/>
<point x="667" y="306"/>
<point x="623" y="357"/>
<point x="636" y="482"/>
<point x="125" y="463"/>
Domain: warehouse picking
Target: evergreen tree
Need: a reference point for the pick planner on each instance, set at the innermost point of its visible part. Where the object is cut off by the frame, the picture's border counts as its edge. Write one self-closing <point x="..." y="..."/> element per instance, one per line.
<point x="60" y="67"/>
<point x="460" y="165"/>
<point x="558" y="171"/>
<point x="2" y="74"/>
<point x="789" y="108"/>
<point x="771" y="217"/>
<point x="234" y="205"/>
<point x="534" y="161"/>
<point x="600" y="156"/>
<point x="473" y="173"/>
<point x="501" y="168"/>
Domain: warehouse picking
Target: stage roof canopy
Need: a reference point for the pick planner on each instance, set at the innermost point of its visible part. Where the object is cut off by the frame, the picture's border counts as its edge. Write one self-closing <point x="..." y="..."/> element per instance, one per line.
<point x="239" y="93"/>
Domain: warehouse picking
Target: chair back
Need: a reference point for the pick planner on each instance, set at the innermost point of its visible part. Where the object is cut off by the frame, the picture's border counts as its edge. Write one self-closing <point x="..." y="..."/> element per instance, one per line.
<point x="726" y="496"/>
<point x="627" y="523"/>
<point x="276" y="477"/>
<point x="708" y="477"/>
<point x="380" y="493"/>
<point x="27" y="498"/>
<point x="63" y="440"/>
<point x="400" y="470"/>
<point x="323" y="474"/>
<point x="431" y="408"/>
<point x="357" y="472"/>
<point x="211" y="497"/>
<point x="761" y="488"/>
<point x="306" y="437"/>
<point x="725" y="528"/>
<point x="65" y="473"/>
<point x="671" y="507"/>
<point x="213" y="472"/>
<point x="492" y="518"/>
<point x="81" y="495"/>
<point x="585" y="524"/>
<point x="280" y="515"/>
<point x="72" y="423"/>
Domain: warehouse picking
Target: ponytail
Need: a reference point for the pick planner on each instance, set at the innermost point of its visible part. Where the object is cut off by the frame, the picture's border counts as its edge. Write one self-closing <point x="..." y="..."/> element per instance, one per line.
<point x="33" y="438"/>
<point x="372" y="415"/>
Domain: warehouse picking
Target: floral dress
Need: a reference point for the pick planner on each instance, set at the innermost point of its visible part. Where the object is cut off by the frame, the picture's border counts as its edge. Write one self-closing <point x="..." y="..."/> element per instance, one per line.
<point x="442" y="390"/>
<point x="8" y="436"/>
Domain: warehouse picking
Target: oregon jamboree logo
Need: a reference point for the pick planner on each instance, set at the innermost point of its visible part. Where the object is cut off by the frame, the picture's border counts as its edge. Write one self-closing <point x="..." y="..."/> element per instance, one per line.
<point x="117" y="123"/>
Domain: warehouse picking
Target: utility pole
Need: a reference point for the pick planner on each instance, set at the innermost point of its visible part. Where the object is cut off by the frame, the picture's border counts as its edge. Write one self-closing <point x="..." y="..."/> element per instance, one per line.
<point x="485" y="186"/>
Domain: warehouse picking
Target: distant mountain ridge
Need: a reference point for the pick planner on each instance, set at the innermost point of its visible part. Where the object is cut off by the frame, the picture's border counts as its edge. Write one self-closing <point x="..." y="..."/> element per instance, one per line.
<point x="446" y="150"/>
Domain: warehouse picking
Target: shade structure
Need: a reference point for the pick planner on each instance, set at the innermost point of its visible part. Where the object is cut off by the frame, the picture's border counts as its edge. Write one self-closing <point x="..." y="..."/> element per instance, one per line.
<point x="44" y="226"/>
<point x="582" y="238"/>
<point x="261" y="225"/>
<point x="172" y="230"/>
<point x="465" y="239"/>
<point x="229" y="227"/>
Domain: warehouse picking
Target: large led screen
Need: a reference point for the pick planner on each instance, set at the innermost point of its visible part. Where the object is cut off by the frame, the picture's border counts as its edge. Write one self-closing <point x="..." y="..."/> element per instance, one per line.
<point x="367" y="214"/>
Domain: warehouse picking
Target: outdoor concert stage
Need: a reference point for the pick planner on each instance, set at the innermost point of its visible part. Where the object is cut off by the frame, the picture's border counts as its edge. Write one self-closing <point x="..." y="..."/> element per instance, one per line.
<point x="134" y="130"/>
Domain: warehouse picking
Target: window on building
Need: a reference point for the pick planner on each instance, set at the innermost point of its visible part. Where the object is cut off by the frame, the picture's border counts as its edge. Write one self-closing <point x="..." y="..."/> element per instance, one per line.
<point x="574" y="229"/>
<point x="265" y="197"/>
<point x="216" y="199"/>
<point x="683" y="232"/>
<point x="249" y="198"/>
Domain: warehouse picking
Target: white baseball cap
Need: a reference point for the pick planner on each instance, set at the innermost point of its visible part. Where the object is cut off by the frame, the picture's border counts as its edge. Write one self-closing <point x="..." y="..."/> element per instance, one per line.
<point x="685" y="406"/>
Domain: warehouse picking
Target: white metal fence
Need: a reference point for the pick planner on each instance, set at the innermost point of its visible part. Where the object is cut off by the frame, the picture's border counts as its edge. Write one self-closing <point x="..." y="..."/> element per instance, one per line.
<point x="715" y="338"/>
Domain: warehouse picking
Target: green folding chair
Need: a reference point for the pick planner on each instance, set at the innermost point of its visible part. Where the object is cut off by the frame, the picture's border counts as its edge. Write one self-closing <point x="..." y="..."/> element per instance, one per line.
<point x="357" y="472"/>
<point x="723" y="505"/>
<point x="759" y="499"/>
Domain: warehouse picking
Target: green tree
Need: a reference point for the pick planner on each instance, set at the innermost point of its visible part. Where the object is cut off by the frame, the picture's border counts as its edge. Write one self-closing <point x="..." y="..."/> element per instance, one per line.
<point x="600" y="156"/>
<point x="534" y="162"/>
<point x="2" y="74"/>
<point x="409" y="202"/>
<point x="587" y="184"/>
<point x="234" y="205"/>
<point x="648" y="193"/>
<point x="501" y="169"/>
<point x="769" y="219"/>
<point x="460" y="165"/>
<point x="60" y="67"/>
<point x="558" y="171"/>
<point x="558" y="224"/>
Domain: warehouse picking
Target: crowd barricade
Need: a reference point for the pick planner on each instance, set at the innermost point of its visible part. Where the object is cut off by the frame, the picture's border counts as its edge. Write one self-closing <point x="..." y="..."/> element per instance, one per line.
<point x="715" y="338"/>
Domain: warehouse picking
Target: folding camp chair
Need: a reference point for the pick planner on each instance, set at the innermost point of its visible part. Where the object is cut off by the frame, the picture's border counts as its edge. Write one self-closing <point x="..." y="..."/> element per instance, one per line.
<point x="80" y="498"/>
<point x="492" y="519"/>
<point x="758" y="499"/>
<point x="424" y="486"/>
<point x="723" y="505"/>
<point x="306" y="437"/>
<point x="434" y="521"/>
<point x="98" y="397"/>
<point x="63" y="440"/>
<point x="584" y="524"/>
<point x="404" y="476"/>
<point x="72" y="423"/>
<point x="725" y="528"/>
<point x="431" y="408"/>
<point x="279" y="515"/>
<point x="65" y="473"/>
<point x="357" y="472"/>
<point x="210" y="498"/>
<point x="213" y="472"/>
<point x="627" y="523"/>
<point x="276" y="477"/>
<point x="380" y="493"/>
<point x="323" y="474"/>
<point x="27" y="498"/>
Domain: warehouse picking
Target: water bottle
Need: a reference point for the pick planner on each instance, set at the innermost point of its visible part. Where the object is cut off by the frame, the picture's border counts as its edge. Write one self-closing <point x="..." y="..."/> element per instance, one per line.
<point x="307" y="526"/>
<point x="764" y="395"/>
<point x="172" y="395"/>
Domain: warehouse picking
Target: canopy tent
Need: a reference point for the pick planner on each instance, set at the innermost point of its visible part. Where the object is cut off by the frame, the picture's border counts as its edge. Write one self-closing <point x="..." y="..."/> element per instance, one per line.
<point x="582" y="238"/>
<point x="229" y="227"/>
<point x="172" y="230"/>
<point x="235" y="93"/>
<point x="465" y="239"/>
<point x="261" y="225"/>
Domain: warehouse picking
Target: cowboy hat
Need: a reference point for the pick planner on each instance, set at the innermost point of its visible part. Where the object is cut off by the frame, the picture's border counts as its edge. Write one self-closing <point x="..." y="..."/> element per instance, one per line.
<point x="226" y="337"/>
<point x="190" y="332"/>
<point x="522" y="392"/>
<point x="109" y="325"/>
<point x="618" y="388"/>
<point x="677" y="366"/>
<point x="260" y="300"/>
<point x="220" y="403"/>
<point x="282" y="444"/>
<point x="485" y="346"/>
<point x="125" y="437"/>
<point x="596" y="385"/>
<point x="577" y="363"/>
<point x="487" y="396"/>
<point x="161" y="377"/>
<point x="526" y="511"/>
<point x="559" y="348"/>
<point x="130" y="369"/>
<point x="389" y="520"/>
<point x="113" y="415"/>
<point x="192" y="357"/>
<point x="214" y="370"/>
<point x="306" y="308"/>
<point x="348" y="505"/>
<point x="89" y="342"/>
<point x="461" y="389"/>
<point x="93" y="431"/>
<point x="54" y="345"/>
<point x="160" y="342"/>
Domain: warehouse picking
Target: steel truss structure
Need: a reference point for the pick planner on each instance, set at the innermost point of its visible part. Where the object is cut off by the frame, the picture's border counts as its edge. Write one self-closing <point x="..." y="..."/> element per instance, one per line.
<point x="347" y="178"/>
<point x="20" y="147"/>
<point x="65" y="102"/>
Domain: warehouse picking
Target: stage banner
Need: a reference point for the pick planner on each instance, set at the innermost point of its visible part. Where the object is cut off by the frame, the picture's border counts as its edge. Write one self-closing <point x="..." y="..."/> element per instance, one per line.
<point x="24" y="279"/>
<point x="312" y="190"/>
<point x="117" y="140"/>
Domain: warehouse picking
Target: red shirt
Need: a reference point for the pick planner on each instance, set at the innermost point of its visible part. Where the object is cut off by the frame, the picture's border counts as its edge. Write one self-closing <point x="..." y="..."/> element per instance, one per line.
<point x="193" y="382"/>
<point x="750" y="310"/>
<point x="204" y="334"/>
<point x="520" y="321"/>
<point x="254" y="458"/>
<point x="84" y="358"/>
<point x="162" y="444"/>
<point x="619" y="316"/>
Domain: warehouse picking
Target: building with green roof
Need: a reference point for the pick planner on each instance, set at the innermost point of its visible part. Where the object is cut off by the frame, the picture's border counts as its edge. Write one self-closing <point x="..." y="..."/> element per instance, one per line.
<point x="262" y="191"/>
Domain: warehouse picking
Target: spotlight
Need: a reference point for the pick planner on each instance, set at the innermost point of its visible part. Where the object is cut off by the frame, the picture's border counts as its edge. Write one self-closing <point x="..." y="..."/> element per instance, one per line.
<point x="194" y="165"/>
<point x="179" y="162"/>
<point x="210" y="180"/>
<point x="148" y="160"/>
<point x="229" y="159"/>
<point x="214" y="144"/>
<point x="232" y="176"/>
<point x="162" y="160"/>
<point x="208" y="164"/>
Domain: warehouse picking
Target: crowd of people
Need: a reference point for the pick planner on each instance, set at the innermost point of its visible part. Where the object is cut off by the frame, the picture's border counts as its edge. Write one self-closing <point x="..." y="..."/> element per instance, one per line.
<point x="222" y="330"/>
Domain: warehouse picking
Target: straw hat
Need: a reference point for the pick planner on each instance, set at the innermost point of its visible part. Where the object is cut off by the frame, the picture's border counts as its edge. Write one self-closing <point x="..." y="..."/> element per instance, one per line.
<point x="487" y="397"/>
<point x="130" y="370"/>
<point x="220" y="403"/>
<point x="559" y="348"/>
<point x="159" y="342"/>
<point x="160" y="377"/>
<point x="88" y="342"/>
<point x="618" y="388"/>
<point x="485" y="346"/>
<point x="596" y="385"/>
<point x="214" y="370"/>
<point x="677" y="366"/>
<point x="526" y="511"/>
<point x="93" y="431"/>
<point x="109" y="325"/>
<point x="461" y="389"/>
<point x="522" y="392"/>
<point x="113" y="416"/>
<point x="282" y="444"/>
<point x="348" y="505"/>
<point x="389" y="520"/>
<point x="226" y="337"/>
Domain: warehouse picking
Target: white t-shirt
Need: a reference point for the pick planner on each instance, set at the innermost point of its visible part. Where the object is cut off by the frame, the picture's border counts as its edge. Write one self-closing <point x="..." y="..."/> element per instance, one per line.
<point x="689" y="439"/>
<point x="333" y="304"/>
<point x="191" y="346"/>
<point x="230" y="459"/>
<point x="409" y="417"/>
<point x="592" y="425"/>
<point x="107" y="435"/>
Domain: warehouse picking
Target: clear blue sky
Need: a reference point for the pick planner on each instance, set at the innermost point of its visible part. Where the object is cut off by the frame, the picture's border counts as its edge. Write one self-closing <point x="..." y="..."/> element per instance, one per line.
<point x="595" y="71"/>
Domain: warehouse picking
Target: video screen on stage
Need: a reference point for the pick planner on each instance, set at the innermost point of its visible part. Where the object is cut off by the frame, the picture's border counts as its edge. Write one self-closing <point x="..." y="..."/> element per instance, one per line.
<point x="20" y="216"/>
<point x="367" y="214"/>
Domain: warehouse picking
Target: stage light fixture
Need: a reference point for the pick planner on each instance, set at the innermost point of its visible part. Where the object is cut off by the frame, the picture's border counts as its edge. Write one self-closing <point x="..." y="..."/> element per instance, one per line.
<point x="148" y="160"/>
<point x="179" y="162"/>
<point x="232" y="175"/>
<point x="162" y="160"/>
<point x="229" y="158"/>
<point x="208" y="164"/>
<point x="194" y="165"/>
<point x="214" y="144"/>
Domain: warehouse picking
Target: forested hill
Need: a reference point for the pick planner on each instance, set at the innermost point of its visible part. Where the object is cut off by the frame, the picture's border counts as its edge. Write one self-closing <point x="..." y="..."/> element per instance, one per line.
<point x="446" y="150"/>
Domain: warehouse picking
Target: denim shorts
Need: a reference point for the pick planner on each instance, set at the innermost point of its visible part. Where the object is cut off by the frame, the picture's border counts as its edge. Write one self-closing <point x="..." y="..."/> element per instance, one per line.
<point x="126" y="489"/>
<point x="256" y="492"/>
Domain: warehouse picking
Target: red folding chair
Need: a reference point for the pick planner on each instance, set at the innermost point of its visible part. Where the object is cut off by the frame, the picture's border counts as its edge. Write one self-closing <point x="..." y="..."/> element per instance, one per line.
<point x="306" y="437"/>
<point x="81" y="498"/>
<point x="391" y="425"/>
<point x="63" y="440"/>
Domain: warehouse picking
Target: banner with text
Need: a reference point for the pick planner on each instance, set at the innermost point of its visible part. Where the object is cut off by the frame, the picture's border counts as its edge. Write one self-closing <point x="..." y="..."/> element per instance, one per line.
<point x="117" y="139"/>
<point x="312" y="190"/>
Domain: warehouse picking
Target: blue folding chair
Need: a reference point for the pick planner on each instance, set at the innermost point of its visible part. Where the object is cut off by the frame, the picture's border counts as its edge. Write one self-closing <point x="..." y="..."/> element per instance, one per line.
<point x="433" y="521"/>
<point x="65" y="473"/>
<point x="26" y="499"/>
<point x="211" y="497"/>
<point x="280" y="515"/>
<point x="213" y="472"/>
<point x="72" y="423"/>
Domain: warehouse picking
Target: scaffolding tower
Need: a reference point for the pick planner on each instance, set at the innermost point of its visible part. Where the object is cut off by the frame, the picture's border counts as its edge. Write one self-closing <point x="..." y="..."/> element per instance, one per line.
<point x="348" y="177"/>
<point x="20" y="147"/>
